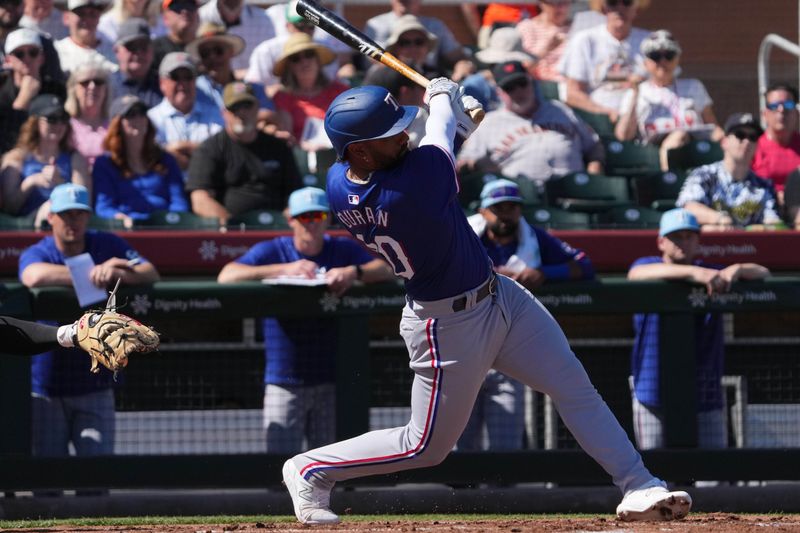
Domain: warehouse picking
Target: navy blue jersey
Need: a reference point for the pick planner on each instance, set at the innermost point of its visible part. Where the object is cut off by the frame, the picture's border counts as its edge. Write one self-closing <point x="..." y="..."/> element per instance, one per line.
<point x="410" y="214"/>
<point x="300" y="351"/>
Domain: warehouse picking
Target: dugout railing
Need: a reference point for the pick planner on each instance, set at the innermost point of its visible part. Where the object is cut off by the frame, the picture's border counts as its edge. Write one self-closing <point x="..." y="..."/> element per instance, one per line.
<point x="188" y="301"/>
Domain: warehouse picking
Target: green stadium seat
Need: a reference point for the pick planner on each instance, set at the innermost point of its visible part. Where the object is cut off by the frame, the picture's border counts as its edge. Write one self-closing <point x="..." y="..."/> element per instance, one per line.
<point x="658" y="191"/>
<point x="598" y="121"/>
<point x="259" y="219"/>
<point x="548" y="89"/>
<point x="631" y="159"/>
<point x="106" y="224"/>
<point x="694" y="154"/>
<point x="472" y="183"/>
<point x="588" y="193"/>
<point x="554" y="218"/>
<point x="628" y="217"/>
<point x="12" y="223"/>
<point x="177" y="220"/>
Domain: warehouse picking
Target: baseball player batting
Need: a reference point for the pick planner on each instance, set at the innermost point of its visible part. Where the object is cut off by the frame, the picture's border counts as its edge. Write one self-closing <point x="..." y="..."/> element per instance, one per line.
<point x="461" y="318"/>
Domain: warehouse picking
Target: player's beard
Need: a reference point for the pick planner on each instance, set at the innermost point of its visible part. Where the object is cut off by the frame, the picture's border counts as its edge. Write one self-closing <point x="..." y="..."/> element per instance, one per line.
<point x="504" y="228"/>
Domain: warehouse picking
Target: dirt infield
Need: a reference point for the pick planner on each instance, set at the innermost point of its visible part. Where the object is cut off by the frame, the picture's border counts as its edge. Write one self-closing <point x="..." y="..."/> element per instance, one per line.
<point x="694" y="523"/>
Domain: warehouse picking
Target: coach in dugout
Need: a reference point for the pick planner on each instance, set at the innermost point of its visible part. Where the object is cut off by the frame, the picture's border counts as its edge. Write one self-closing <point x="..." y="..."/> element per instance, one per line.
<point x="530" y="256"/>
<point x="299" y="391"/>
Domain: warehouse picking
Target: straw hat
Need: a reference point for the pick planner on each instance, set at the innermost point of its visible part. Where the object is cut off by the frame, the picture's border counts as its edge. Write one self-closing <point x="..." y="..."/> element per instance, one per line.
<point x="209" y="32"/>
<point x="409" y="23"/>
<point x="505" y="44"/>
<point x="300" y="42"/>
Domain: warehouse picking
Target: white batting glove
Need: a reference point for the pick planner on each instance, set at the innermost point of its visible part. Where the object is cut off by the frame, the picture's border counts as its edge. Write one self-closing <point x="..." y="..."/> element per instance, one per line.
<point x="441" y="86"/>
<point x="461" y="109"/>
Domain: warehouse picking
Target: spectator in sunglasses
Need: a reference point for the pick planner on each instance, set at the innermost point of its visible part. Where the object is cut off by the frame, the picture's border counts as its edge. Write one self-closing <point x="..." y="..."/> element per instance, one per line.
<point x="88" y="98"/>
<point x="11" y="14"/>
<point x="410" y="42"/>
<point x="212" y="51"/>
<point x="602" y="62"/>
<point x="299" y="384"/>
<point x="23" y="81"/>
<point x="135" y="176"/>
<point x="42" y="159"/>
<point x="181" y="19"/>
<point x="778" y="150"/>
<point x="665" y="110"/>
<point x="241" y="168"/>
<point x="84" y="43"/>
<point x="530" y="136"/>
<point x="182" y="120"/>
<point x="124" y="10"/>
<point x="134" y="51"/>
<point x="306" y="92"/>
<point x="728" y="194"/>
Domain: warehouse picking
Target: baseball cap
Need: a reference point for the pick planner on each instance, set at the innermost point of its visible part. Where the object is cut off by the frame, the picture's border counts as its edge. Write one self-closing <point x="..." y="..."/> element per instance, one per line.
<point x="306" y="200"/>
<point x="660" y="40"/>
<point x="22" y="37"/>
<point x="677" y="220"/>
<point x="167" y="3"/>
<point x="131" y="30"/>
<point x="46" y="105"/>
<point x="742" y="121"/>
<point x="173" y="61"/>
<point x="69" y="196"/>
<point x="498" y="191"/>
<point x="236" y="92"/>
<point x="121" y="105"/>
<point x="72" y="5"/>
<point x="409" y="23"/>
<point x="210" y="32"/>
<point x="508" y="72"/>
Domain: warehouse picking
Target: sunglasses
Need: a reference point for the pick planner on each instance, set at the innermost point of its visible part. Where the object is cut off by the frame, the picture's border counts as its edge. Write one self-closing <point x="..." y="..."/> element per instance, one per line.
<point x="208" y="51"/>
<point x="307" y="54"/>
<point x="615" y="3"/>
<point x="787" y="105"/>
<point x="313" y="216"/>
<point x="657" y="56"/>
<point x="32" y="53"/>
<point x="57" y="119"/>
<point x="514" y="85"/>
<point x="98" y="82"/>
<point x="181" y="76"/>
<point x="412" y="42"/>
<point x="751" y="136"/>
<point x="137" y="47"/>
<point x="177" y="7"/>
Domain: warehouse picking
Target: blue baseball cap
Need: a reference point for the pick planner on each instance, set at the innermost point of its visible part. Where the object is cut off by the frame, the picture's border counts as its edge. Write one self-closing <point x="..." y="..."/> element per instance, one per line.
<point x="677" y="220"/>
<point x="306" y="200"/>
<point x="69" y="196"/>
<point x="500" y="190"/>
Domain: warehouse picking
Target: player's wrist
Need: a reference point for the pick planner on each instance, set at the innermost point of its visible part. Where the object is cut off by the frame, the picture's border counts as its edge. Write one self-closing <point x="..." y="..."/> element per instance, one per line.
<point x="66" y="335"/>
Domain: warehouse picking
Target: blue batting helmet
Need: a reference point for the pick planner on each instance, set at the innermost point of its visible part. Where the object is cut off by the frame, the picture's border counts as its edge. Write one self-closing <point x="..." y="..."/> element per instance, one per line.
<point x="365" y="113"/>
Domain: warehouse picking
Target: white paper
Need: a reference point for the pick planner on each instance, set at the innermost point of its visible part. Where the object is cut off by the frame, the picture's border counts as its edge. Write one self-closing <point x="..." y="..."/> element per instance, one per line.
<point x="79" y="268"/>
<point x="294" y="280"/>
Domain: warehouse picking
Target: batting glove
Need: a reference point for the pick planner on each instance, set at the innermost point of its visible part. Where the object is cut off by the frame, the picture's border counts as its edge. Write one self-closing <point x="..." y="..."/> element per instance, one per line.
<point x="441" y="86"/>
<point x="461" y="109"/>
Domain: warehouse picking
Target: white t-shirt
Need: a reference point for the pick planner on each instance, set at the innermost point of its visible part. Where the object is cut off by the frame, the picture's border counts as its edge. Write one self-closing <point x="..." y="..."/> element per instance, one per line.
<point x="597" y="58"/>
<point x="109" y="27"/>
<point x="71" y="54"/>
<point x="660" y="110"/>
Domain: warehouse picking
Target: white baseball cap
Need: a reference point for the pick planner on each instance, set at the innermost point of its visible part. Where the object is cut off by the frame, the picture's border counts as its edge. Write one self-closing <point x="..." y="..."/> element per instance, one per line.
<point x="72" y="5"/>
<point x="22" y="37"/>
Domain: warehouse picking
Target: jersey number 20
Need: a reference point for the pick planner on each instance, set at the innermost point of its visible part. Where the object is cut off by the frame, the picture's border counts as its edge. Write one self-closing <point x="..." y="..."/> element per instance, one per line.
<point x="393" y="252"/>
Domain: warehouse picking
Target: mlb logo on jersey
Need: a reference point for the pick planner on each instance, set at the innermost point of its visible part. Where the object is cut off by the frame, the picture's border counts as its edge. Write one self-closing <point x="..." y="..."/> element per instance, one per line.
<point x="352" y="199"/>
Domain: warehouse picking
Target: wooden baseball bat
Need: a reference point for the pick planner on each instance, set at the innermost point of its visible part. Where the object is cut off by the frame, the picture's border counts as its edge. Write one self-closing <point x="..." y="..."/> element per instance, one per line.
<point x="352" y="37"/>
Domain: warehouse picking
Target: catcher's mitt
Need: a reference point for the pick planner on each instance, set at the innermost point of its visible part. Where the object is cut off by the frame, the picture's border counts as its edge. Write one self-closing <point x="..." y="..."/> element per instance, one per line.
<point x="110" y="337"/>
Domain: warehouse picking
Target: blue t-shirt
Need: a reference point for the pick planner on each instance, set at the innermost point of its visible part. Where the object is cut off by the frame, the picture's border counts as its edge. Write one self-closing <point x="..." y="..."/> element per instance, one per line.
<point x="139" y="195"/>
<point x="710" y="346"/>
<point x="40" y="195"/>
<point x="65" y="371"/>
<point x="410" y="214"/>
<point x="300" y="351"/>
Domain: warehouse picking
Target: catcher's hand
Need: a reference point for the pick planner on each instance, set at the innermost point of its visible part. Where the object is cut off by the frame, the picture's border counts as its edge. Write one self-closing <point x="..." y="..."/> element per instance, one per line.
<point x="110" y="337"/>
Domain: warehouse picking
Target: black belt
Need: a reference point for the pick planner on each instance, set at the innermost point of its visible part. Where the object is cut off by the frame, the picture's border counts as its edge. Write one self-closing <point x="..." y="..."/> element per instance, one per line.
<point x="459" y="304"/>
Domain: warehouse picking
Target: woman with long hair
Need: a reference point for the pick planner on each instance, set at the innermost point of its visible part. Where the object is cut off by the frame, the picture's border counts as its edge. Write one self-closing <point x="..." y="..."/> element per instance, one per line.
<point x="135" y="176"/>
<point x="305" y="91"/>
<point x="88" y="96"/>
<point x="43" y="158"/>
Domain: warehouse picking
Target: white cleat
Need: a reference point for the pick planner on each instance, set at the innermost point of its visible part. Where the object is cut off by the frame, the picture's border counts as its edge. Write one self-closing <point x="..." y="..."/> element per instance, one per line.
<point x="654" y="502"/>
<point x="311" y="504"/>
